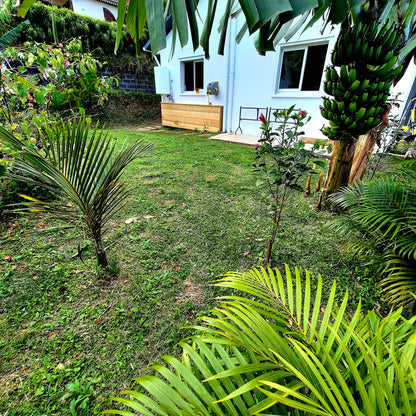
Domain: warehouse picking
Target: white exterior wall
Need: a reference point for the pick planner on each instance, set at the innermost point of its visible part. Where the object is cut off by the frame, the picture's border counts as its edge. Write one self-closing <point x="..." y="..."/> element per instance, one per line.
<point x="93" y="8"/>
<point x="249" y="79"/>
<point x="256" y="78"/>
<point x="403" y="88"/>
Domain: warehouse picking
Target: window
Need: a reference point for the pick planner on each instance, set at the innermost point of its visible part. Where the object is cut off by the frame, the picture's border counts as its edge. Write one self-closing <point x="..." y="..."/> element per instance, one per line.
<point x="302" y="68"/>
<point x="192" y="75"/>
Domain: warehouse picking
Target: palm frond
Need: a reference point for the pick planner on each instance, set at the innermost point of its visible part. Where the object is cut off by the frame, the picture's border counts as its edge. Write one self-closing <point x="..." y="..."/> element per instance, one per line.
<point x="9" y="37"/>
<point x="383" y="212"/>
<point x="282" y="350"/>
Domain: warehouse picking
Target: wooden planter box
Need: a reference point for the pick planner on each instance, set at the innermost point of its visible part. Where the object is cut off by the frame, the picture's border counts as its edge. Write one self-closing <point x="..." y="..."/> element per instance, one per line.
<point x="192" y="116"/>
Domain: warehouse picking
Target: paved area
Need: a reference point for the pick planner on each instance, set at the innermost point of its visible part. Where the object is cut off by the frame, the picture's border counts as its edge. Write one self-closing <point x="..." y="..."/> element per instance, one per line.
<point x="237" y="138"/>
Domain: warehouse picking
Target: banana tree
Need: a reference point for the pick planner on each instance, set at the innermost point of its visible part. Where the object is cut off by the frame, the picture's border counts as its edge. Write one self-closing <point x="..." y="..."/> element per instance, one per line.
<point x="275" y="348"/>
<point x="84" y="171"/>
<point x="360" y="83"/>
<point x="270" y="20"/>
<point x="364" y="65"/>
<point x="403" y="15"/>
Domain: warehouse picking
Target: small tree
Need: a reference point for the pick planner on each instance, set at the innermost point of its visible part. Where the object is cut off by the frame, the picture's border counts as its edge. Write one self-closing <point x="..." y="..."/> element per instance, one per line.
<point x="84" y="171"/>
<point x="283" y="160"/>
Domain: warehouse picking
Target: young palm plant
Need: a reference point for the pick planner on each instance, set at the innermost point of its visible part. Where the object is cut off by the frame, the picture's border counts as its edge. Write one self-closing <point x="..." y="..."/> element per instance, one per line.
<point x="279" y="349"/>
<point x="83" y="169"/>
<point x="382" y="214"/>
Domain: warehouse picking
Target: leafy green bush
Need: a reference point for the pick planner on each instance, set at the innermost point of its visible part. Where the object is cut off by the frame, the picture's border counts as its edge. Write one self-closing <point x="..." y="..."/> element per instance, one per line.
<point x="283" y="161"/>
<point x="97" y="36"/>
<point x="283" y="351"/>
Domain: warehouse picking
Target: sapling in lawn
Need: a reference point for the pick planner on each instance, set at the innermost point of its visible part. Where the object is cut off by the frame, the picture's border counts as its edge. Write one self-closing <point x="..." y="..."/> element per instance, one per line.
<point x="83" y="169"/>
<point x="283" y="161"/>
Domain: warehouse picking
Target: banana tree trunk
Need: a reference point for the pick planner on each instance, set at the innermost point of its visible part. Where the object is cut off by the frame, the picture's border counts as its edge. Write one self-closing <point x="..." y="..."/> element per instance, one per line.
<point x="339" y="167"/>
<point x="363" y="151"/>
<point x="365" y="147"/>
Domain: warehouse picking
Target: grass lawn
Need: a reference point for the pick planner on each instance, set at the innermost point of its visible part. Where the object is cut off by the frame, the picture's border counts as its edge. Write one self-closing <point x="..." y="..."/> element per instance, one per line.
<point x="70" y="339"/>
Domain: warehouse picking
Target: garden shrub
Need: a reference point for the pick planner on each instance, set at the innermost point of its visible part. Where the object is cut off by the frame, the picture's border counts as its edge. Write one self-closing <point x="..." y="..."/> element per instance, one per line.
<point x="98" y="38"/>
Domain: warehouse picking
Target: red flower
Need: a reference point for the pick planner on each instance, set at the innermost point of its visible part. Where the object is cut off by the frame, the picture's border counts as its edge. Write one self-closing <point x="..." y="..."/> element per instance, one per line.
<point x="302" y="113"/>
<point x="262" y="118"/>
<point x="256" y="146"/>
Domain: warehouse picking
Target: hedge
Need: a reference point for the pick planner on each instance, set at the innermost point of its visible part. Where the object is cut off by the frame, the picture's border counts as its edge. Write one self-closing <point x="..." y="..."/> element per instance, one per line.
<point x="97" y="36"/>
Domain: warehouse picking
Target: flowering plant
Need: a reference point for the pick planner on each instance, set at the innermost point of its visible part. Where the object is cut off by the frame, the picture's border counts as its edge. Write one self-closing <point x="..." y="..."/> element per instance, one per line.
<point x="282" y="160"/>
<point x="39" y="80"/>
<point x="43" y="84"/>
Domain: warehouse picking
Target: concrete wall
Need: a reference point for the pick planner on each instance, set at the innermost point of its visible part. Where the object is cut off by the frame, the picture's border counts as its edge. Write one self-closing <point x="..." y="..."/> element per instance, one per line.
<point x="129" y="82"/>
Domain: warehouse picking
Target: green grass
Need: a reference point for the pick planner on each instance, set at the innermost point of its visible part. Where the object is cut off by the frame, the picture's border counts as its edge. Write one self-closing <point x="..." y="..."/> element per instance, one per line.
<point x="71" y="337"/>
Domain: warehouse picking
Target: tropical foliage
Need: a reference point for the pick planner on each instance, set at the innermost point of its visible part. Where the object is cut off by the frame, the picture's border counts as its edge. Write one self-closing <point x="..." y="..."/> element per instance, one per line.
<point x="379" y="223"/>
<point x="85" y="171"/>
<point x="38" y="79"/>
<point x="282" y="350"/>
<point x="271" y="21"/>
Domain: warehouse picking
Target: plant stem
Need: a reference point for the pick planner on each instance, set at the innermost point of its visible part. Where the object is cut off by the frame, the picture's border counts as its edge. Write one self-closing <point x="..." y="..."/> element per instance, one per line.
<point x="99" y="249"/>
<point x="276" y="219"/>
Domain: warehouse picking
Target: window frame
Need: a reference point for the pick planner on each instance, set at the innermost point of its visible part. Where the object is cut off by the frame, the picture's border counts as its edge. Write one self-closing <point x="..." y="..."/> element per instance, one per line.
<point x="194" y="60"/>
<point x="298" y="91"/>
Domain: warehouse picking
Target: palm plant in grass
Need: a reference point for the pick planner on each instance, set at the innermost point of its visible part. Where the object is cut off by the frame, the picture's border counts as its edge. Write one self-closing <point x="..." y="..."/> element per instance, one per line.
<point x="382" y="214"/>
<point x="83" y="169"/>
<point x="278" y="348"/>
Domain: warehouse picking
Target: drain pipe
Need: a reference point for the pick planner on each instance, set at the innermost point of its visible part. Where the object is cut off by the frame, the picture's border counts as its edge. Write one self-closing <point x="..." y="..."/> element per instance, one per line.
<point x="232" y="73"/>
<point x="228" y="80"/>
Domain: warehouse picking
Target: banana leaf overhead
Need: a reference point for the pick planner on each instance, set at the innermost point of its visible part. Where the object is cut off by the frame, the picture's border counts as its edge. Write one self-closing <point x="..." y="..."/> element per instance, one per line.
<point x="270" y="20"/>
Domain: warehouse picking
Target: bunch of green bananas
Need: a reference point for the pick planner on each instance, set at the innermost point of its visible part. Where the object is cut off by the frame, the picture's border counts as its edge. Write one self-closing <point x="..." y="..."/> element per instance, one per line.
<point x="359" y="79"/>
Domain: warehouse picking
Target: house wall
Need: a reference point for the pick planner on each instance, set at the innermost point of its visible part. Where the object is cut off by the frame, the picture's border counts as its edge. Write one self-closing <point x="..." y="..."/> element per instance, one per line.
<point x="93" y="8"/>
<point x="249" y="79"/>
<point x="245" y="77"/>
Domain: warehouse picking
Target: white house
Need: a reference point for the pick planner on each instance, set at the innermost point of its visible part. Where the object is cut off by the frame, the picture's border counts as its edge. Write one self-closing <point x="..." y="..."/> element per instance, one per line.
<point x="293" y="75"/>
<point x="98" y="9"/>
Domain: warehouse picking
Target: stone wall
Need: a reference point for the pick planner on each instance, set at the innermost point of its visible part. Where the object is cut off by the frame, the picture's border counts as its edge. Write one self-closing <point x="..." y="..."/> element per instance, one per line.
<point x="130" y="82"/>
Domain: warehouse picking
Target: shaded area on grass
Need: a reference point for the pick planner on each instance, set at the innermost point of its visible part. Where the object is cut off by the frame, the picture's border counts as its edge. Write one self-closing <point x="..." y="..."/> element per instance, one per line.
<point x="125" y="108"/>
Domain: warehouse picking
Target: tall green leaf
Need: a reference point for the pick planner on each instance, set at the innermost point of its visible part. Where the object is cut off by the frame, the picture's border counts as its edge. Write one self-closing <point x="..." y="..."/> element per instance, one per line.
<point x="252" y="355"/>
<point x="156" y="24"/>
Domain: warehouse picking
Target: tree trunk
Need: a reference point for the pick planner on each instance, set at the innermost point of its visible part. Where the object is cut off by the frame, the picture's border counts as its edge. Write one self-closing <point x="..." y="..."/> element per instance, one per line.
<point x="276" y="221"/>
<point x="100" y="252"/>
<point x="365" y="147"/>
<point x="363" y="151"/>
<point x="339" y="167"/>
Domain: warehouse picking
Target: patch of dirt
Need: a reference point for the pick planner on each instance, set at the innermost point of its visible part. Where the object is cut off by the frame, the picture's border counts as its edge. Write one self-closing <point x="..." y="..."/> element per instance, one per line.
<point x="192" y="291"/>
<point x="9" y="383"/>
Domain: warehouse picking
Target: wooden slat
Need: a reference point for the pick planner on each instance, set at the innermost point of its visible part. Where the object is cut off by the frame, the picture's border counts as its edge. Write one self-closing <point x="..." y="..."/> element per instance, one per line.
<point x="196" y="107"/>
<point x="192" y="116"/>
<point x="188" y="126"/>
<point x="311" y="140"/>
<point x="192" y="120"/>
